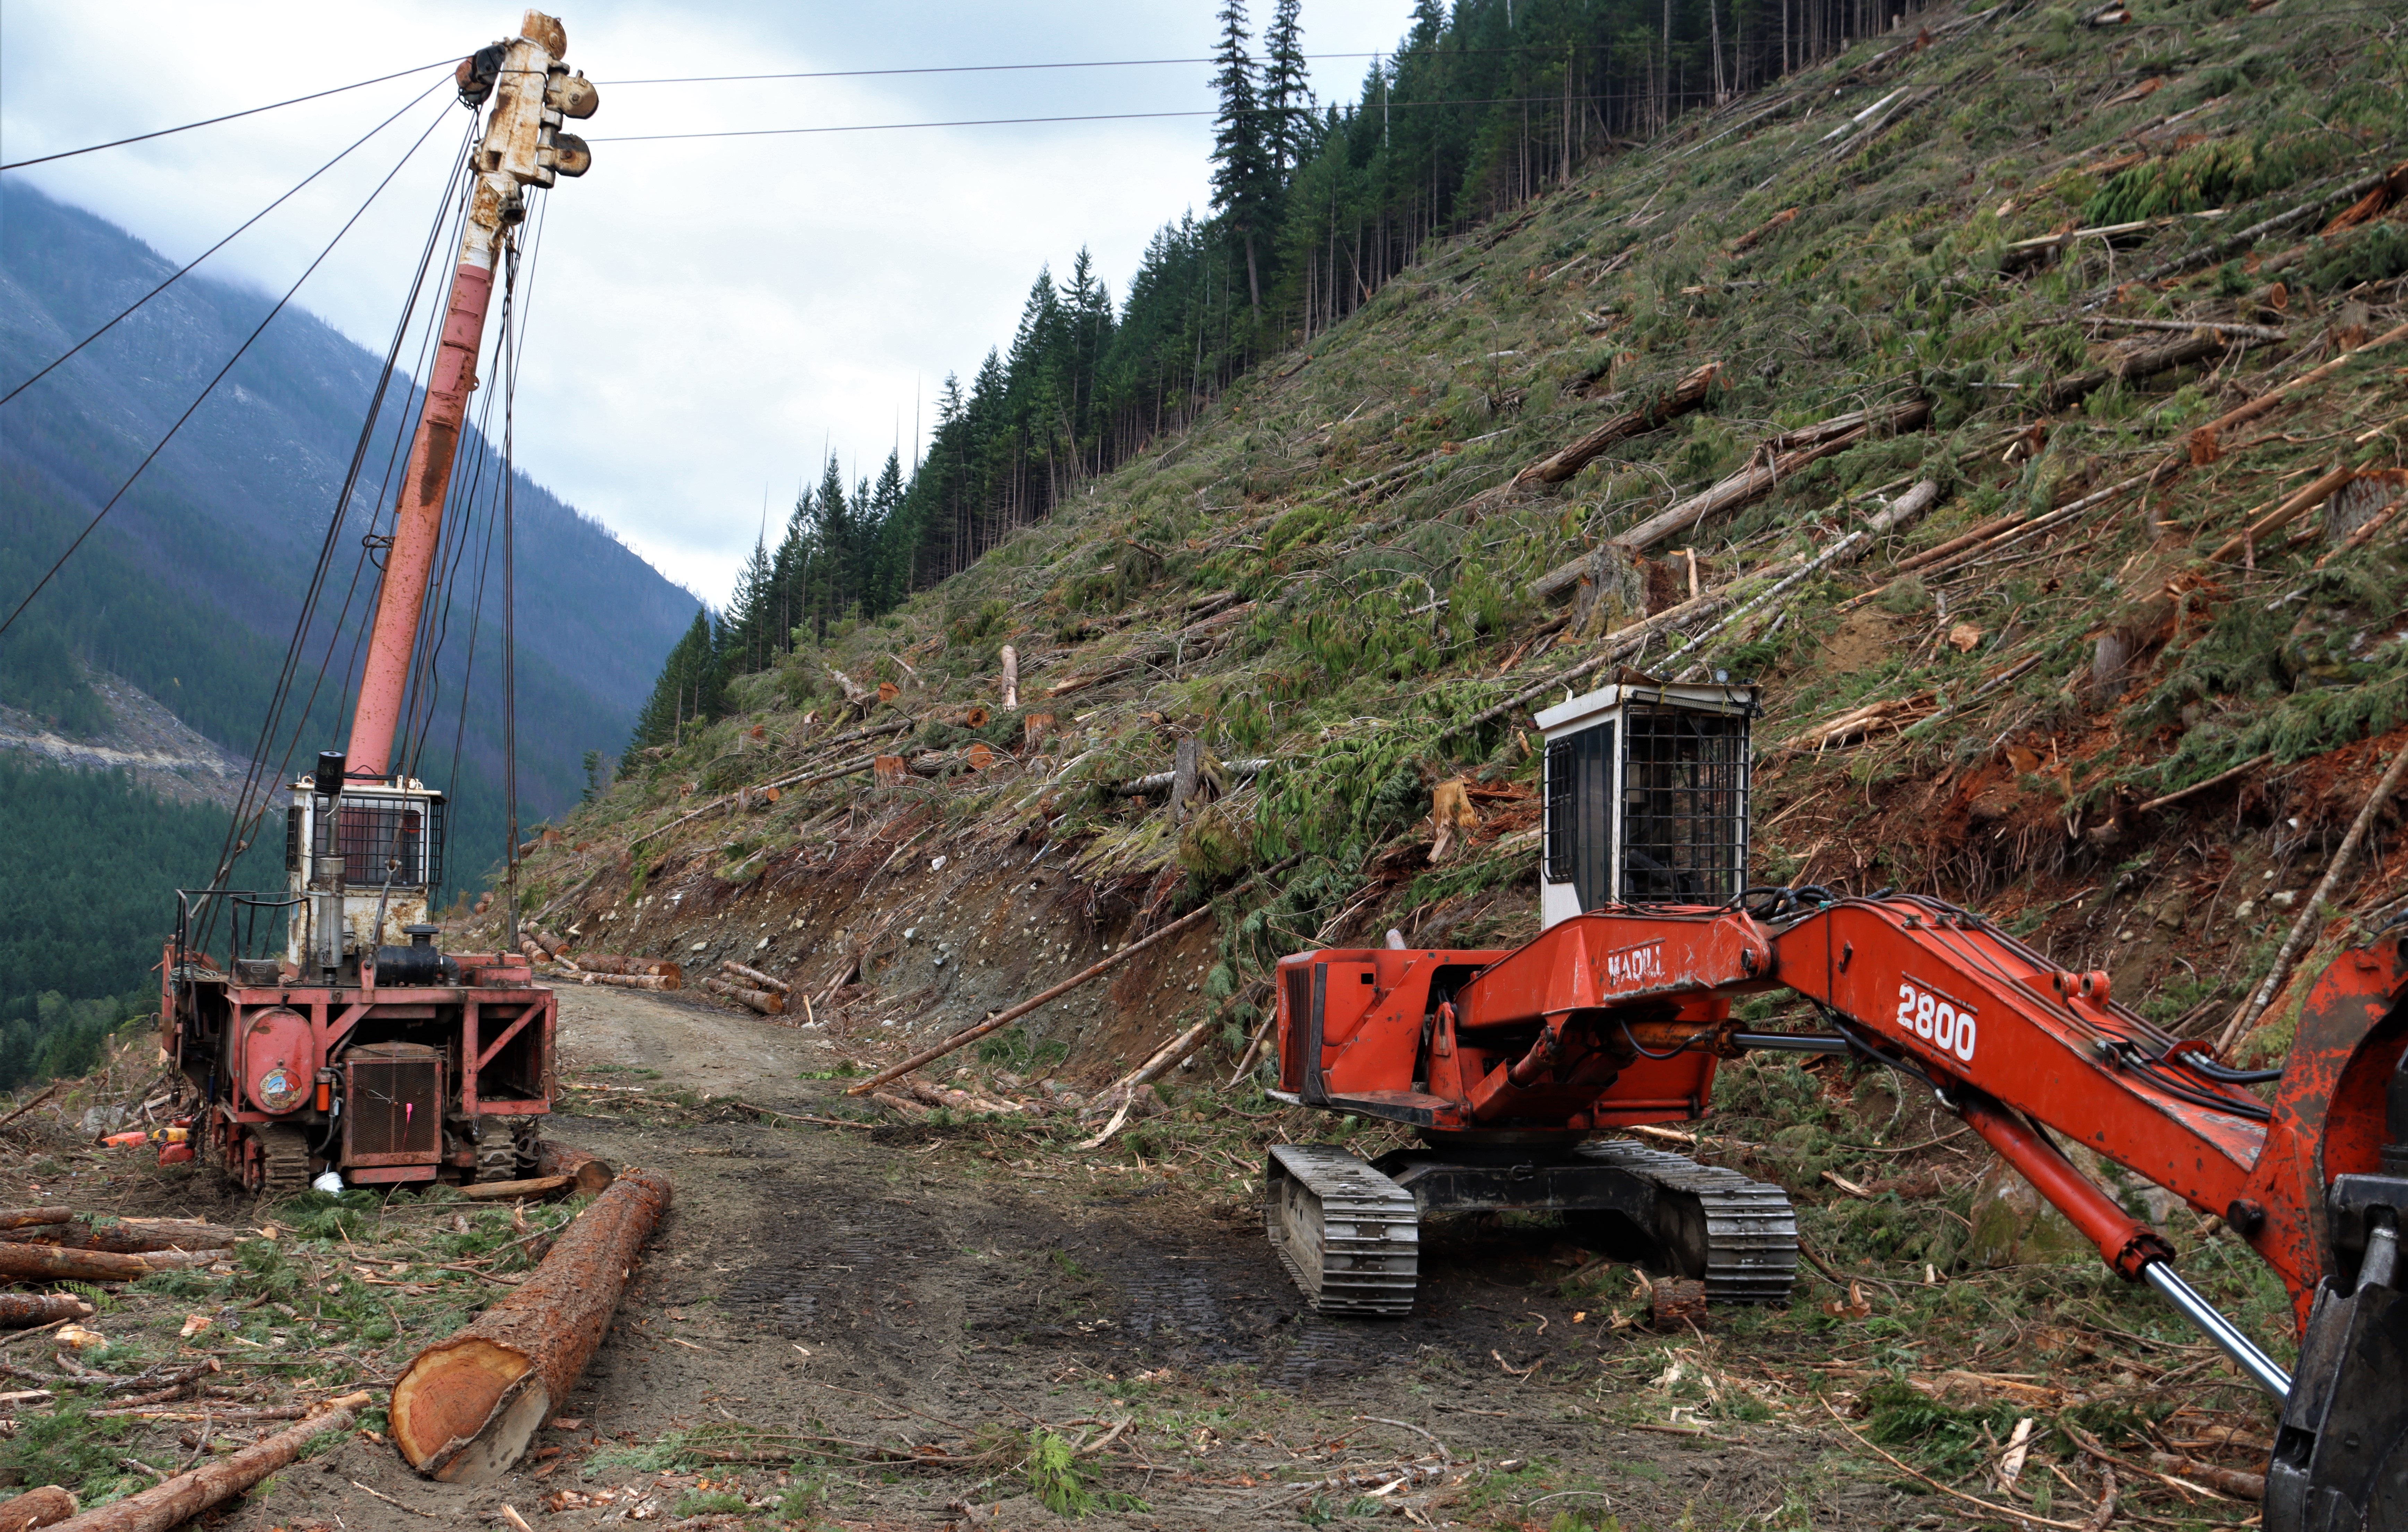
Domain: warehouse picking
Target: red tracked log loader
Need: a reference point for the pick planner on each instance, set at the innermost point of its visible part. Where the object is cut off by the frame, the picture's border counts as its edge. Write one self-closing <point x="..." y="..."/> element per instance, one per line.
<point x="1512" y="1064"/>
<point x="345" y="1041"/>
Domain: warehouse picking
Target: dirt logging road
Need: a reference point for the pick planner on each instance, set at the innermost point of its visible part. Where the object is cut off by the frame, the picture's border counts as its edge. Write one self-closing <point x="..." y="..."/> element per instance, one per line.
<point x="891" y="1326"/>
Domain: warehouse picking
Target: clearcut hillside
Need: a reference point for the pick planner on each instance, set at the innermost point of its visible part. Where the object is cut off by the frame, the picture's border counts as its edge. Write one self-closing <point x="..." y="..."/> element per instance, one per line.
<point x="2039" y="259"/>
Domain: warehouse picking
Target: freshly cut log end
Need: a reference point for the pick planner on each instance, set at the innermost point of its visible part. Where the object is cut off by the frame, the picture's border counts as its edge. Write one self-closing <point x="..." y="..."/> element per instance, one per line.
<point x="468" y="1406"/>
<point x="1676" y="1301"/>
<point x="588" y="1175"/>
<point x="21" y="1310"/>
<point x="477" y="1403"/>
<point x="44" y="1507"/>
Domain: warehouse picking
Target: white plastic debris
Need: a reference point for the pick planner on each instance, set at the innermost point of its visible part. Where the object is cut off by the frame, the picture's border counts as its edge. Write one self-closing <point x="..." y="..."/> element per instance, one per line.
<point x="331" y="1181"/>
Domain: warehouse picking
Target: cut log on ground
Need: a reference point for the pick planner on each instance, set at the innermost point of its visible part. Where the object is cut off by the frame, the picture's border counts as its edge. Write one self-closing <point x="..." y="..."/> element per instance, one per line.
<point x="467" y="1407"/>
<point x="591" y="1176"/>
<point x="1907" y="507"/>
<point x="51" y="1262"/>
<point x="2238" y="1482"/>
<point x="1674" y="1302"/>
<point x="2312" y="917"/>
<point x="18" y="1218"/>
<point x="619" y="963"/>
<point x="2297" y="503"/>
<point x="1138" y="787"/>
<point x="760" y="979"/>
<point x="2145" y="363"/>
<point x="130" y="1237"/>
<point x="22" y="1311"/>
<point x="1686" y="394"/>
<point x="187" y="1494"/>
<point x="653" y="982"/>
<point x="512" y="1191"/>
<point x="760" y="1000"/>
<point x="1004" y="1018"/>
<point x="1620" y="643"/>
<point x="44" y="1507"/>
<point x="1774" y="461"/>
<point x="953" y="1099"/>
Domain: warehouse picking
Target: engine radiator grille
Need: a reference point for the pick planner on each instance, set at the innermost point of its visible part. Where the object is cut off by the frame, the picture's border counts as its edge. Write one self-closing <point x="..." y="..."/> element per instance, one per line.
<point x="393" y="1105"/>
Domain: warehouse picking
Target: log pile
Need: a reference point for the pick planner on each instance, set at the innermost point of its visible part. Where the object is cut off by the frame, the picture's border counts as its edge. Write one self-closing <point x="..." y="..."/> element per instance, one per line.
<point x="467" y="1407"/>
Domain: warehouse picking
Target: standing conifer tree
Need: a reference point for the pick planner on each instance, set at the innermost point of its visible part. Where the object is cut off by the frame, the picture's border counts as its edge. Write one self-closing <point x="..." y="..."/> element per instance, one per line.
<point x="1288" y="94"/>
<point x="1242" y="174"/>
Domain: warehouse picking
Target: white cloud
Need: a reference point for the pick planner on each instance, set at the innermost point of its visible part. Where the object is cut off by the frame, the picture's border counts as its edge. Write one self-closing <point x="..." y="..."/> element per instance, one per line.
<point x="707" y="313"/>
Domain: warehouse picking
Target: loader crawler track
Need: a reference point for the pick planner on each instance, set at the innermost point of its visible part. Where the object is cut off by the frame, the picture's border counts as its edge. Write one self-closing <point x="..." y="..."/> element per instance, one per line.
<point x="1748" y="1249"/>
<point x="284" y="1159"/>
<point x="1349" y="1232"/>
<point x="1349" y="1235"/>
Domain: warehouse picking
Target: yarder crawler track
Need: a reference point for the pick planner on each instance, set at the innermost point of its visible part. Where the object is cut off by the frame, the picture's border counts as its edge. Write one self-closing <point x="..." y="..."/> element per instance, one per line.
<point x="1349" y="1232"/>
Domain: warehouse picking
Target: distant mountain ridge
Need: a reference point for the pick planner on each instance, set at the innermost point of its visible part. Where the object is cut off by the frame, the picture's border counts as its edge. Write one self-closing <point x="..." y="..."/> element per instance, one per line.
<point x="190" y="589"/>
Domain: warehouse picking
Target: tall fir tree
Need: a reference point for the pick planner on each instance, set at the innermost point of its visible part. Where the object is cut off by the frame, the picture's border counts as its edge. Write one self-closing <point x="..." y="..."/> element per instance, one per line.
<point x="1242" y="167"/>
<point x="1287" y="90"/>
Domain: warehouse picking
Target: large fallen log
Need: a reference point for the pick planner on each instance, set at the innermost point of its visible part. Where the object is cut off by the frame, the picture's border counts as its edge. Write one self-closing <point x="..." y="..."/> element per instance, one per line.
<point x="512" y="1191"/>
<point x="628" y="980"/>
<point x="760" y="1000"/>
<point x="619" y="963"/>
<point x="187" y="1494"/>
<point x="2238" y="1482"/>
<point x="1686" y="394"/>
<point x="591" y="1176"/>
<point x="1778" y="459"/>
<point x="467" y="1406"/>
<point x="53" y="1263"/>
<point x="2145" y="363"/>
<point x="133" y="1237"/>
<point x="44" y="1507"/>
<point x="22" y="1310"/>
<point x="20" y="1218"/>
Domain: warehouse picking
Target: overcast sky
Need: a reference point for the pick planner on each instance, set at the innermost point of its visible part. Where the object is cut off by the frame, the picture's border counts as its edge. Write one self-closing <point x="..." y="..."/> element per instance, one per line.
<point x="711" y="314"/>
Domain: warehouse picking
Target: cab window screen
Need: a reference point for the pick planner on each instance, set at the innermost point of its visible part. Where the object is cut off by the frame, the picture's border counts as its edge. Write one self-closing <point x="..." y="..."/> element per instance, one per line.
<point x="1684" y="785"/>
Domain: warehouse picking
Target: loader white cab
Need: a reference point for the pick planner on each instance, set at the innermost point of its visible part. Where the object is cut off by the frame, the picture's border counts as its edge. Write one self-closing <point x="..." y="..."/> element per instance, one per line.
<point x="1646" y="792"/>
